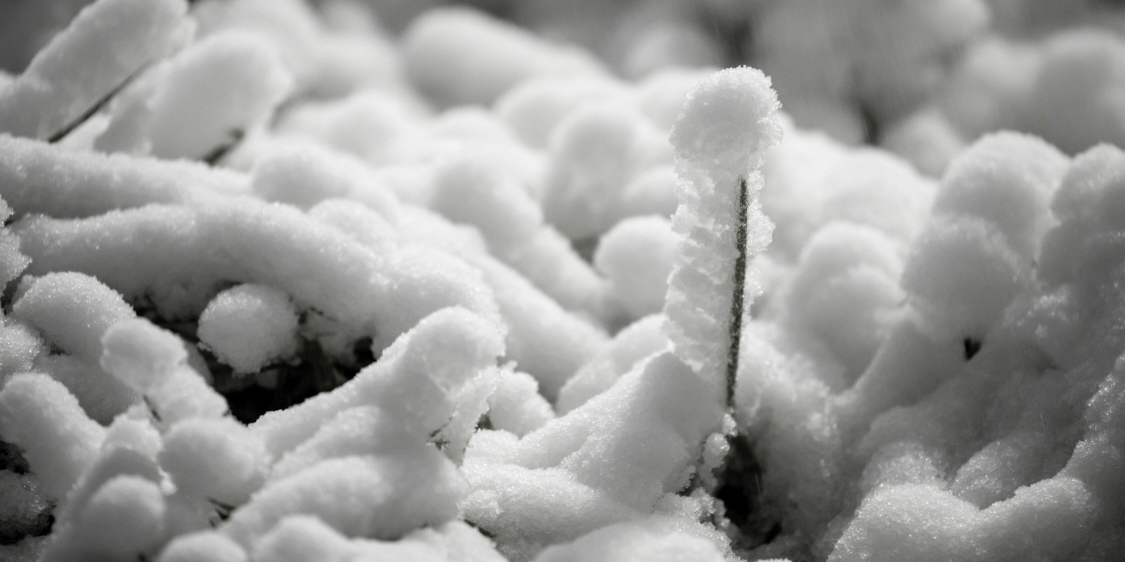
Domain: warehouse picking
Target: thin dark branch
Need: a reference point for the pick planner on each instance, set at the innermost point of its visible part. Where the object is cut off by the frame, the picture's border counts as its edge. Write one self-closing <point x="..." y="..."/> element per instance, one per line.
<point x="217" y="153"/>
<point x="98" y="105"/>
<point x="736" y="304"/>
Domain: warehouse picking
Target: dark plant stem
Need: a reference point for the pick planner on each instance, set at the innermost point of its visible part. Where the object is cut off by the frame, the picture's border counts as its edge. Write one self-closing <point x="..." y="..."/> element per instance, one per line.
<point x="736" y="303"/>
<point x="98" y="105"/>
<point x="217" y="153"/>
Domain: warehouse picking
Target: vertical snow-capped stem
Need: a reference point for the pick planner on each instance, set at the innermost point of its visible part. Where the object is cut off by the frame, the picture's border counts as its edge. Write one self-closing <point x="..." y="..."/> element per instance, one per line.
<point x="728" y="122"/>
<point x="738" y="294"/>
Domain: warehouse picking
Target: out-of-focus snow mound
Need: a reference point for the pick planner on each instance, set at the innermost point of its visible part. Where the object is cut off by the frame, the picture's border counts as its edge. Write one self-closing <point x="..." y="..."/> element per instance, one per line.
<point x="355" y="280"/>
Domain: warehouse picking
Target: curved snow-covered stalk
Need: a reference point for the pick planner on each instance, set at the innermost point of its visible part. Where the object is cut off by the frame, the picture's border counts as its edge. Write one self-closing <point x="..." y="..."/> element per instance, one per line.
<point x="727" y="124"/>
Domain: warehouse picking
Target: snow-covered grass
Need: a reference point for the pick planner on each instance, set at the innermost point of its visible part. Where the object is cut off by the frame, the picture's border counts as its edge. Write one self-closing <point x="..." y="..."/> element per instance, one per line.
<point x="329" y="281"/>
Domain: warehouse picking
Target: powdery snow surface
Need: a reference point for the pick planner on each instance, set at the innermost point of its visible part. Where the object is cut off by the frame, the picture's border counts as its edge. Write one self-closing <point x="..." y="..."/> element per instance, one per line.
<point x="370" y="280"/>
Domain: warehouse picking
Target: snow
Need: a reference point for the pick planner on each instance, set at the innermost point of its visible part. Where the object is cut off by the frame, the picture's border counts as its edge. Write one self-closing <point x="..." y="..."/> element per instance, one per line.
<point x="269" y="244"/>
<point x="609" y="460"/>
<point x="543" y="339"/>
<point x="204" y="546"/>
<point x="303" y="173"/>
<point x="153" y="362"/>
<point x="432" y="262"/>
<point x="302" y="538"/>
<point x="636" y="255"/>
<point x="140" y="354"/>
<point x="108" y="43"/>
<point x="22" y="505"/>
<point x="381" y="496"/>
<point x="512" y="224"/>
<point x="727" y="124"/>
<point x="72" y="311"/>
<point x="249" y="326"/>
<point x="846" y="290"/>
<point x="20" y="345"/>
<point x="218" y="459"/>
<point x="43" y="419"/>
<point x="36" y="178"/>
<point x="979" y="275"/>
<point x="175" y="117"/>
<point x="535" y="106"/>
<point x="593" y="153"/>
<point x="416" y="379"/>
<point x="362" y="430"/>
<point x="1009" y="180"/>
<point x="631" y="344"/>
<point x="516" y="406"/>
<point x="123" y="519"/>
<point x="630" y="541"/>
<point x="461" y="56"/>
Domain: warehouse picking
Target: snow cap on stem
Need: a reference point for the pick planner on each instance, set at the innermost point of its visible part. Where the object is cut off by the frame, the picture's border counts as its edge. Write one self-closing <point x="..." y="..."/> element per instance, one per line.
<point x="728" y="122"/>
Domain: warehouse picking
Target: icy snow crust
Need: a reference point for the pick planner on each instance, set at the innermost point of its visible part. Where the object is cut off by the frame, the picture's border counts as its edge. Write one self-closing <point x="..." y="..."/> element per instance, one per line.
<point x="275" y="293"/>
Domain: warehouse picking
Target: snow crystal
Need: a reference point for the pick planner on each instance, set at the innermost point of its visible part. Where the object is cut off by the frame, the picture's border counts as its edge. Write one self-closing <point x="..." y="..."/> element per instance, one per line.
<point x="249" y="326"/>
<point x="218" y="459"/>
<point x="1042" y="520"/>
<point x="525" y="509"/>
<point x="203" y="546"/>
<point x="42" y="418"/>
<point x="12" y="262"/>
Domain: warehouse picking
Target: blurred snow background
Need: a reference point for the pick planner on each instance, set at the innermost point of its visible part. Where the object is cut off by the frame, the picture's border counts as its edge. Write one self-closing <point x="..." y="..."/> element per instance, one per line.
<point x="920" y="77"/>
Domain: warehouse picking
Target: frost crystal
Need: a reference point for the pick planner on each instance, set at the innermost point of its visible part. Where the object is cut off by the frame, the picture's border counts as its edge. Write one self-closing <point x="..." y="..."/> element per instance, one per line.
<point x="728" y="122"/>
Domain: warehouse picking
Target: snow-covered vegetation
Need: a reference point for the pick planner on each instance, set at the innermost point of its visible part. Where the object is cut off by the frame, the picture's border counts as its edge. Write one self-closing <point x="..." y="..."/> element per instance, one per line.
<point x="532" y="280"/>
